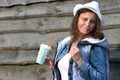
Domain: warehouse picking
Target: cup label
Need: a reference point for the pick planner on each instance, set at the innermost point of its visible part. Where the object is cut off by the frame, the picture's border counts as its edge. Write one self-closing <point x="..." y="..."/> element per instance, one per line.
<point x="42" y="54"/>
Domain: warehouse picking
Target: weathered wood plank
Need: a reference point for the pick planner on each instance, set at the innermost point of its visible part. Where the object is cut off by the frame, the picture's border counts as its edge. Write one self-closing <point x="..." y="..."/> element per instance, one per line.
<point x="35" y="39"/>
<point x="53" y="9"/>
<point x="113" y="35"/>
<point x="37" y="10"/>
<point x="8" y="3"/>
<point x="25" y="72"/>
<point x="28" y="39"/>
<point x="47" y="24"/>
<point x="35" y="24"/>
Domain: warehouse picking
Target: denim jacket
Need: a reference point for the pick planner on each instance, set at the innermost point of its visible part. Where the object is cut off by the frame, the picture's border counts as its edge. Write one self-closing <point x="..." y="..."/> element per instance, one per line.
<point x="94" y="64"/>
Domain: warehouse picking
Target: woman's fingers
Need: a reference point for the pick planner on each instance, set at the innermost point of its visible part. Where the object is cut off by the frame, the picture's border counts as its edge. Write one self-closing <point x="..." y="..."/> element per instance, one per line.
<point x="48" y="62"/>
<point x="76" y="55"/>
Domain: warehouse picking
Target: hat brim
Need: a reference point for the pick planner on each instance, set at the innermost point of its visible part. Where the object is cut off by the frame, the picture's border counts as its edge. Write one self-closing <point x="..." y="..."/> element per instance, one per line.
<point x="93" y="10"/>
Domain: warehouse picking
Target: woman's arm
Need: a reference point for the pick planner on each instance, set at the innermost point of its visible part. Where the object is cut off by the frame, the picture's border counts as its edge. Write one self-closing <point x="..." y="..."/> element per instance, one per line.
<point x="97" y="68"/>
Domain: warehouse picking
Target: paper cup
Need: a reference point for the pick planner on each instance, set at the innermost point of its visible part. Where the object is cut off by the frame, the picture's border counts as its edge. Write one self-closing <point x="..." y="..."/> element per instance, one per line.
<point x="43" y="52"/>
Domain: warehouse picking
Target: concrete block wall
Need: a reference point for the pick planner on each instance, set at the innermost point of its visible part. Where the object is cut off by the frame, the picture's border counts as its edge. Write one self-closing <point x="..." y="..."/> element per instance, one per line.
<point x="24" y="27"/>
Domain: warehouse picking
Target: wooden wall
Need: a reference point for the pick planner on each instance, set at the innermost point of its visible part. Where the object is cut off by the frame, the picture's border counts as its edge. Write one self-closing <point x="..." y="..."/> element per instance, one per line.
<point x="25" y="24"/>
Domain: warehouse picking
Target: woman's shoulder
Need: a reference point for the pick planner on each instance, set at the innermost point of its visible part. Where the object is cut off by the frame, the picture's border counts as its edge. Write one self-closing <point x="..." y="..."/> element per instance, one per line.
<point x="103" y="43"/>
<point x="66" y="40"/>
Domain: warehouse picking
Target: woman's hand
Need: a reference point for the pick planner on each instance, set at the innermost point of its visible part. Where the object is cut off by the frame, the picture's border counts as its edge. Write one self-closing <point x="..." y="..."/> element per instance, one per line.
<point x="75" y="53"/>
<point x="48" y="62"/>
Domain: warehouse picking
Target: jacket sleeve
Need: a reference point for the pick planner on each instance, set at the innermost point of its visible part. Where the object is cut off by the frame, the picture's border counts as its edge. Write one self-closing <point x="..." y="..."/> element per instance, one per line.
<point x="97" y="68"/>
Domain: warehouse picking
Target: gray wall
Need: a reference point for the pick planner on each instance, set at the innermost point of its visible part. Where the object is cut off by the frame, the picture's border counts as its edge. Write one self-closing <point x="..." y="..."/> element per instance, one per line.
<point x="25" y="24"/>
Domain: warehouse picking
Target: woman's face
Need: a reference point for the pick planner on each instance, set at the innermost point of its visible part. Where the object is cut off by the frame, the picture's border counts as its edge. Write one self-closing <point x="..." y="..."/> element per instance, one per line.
<point x="86" y="22"/>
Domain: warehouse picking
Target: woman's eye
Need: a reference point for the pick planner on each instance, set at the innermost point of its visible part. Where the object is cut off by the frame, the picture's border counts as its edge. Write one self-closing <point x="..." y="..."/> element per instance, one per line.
<point x="93" y="21"/>
<point x="85" y="19"/>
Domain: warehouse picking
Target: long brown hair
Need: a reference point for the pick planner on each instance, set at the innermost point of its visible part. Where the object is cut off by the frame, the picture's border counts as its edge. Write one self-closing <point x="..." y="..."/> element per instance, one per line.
<point x="95" y="33"/>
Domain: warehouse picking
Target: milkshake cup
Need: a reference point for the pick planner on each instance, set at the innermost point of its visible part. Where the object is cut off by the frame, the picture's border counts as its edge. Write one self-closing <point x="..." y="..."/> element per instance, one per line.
<point x="42" y="53"/>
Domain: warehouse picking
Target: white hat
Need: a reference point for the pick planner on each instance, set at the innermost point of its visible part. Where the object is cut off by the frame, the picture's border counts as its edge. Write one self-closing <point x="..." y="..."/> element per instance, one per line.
<point x="93" y="6"/>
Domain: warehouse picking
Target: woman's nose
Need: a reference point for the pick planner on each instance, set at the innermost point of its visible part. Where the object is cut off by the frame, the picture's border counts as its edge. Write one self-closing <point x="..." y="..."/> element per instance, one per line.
<point x="87" y="23"/>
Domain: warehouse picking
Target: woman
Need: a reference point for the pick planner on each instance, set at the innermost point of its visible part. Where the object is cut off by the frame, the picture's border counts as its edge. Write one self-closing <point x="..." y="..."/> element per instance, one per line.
<point x="84" y="54"/>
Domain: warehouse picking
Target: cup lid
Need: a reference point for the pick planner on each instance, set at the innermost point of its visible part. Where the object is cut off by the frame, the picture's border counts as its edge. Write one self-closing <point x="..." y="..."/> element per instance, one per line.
<point x="45" y="46"/>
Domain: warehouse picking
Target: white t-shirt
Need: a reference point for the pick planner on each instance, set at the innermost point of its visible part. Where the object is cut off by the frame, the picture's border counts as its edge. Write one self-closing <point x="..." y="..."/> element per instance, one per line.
<point x="63" y="66"/>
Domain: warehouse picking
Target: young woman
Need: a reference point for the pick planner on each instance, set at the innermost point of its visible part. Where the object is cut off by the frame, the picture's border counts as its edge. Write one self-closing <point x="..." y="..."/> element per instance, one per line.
<point x="84" y="54"/>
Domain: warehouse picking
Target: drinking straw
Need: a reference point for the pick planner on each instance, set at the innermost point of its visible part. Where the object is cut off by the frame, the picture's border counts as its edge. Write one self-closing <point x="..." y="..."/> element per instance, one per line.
<point x="2" y="48"/>
<point x="51" y="40"/>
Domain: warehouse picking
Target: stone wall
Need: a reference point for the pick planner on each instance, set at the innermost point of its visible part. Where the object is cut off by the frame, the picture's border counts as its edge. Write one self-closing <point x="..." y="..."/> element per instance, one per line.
<point x="24" y="27"/>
